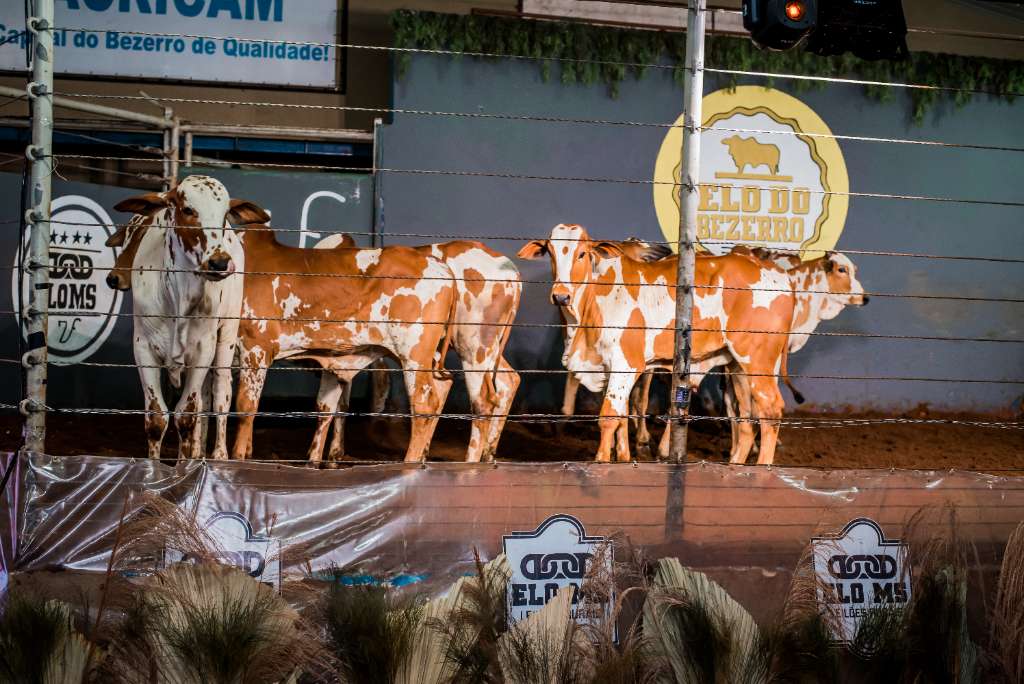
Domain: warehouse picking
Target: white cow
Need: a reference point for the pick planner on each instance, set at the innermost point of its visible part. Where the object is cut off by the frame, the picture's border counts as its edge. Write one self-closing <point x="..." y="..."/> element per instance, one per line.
<point x="186" y="304"/>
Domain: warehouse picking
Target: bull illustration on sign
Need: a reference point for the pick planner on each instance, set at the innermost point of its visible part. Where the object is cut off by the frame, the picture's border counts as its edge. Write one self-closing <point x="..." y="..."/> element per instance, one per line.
<point x="750" y="152"/>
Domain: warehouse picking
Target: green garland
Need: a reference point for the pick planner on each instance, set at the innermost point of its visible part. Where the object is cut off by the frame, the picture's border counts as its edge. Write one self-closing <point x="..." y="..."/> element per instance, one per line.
<point x="596" y="53"/>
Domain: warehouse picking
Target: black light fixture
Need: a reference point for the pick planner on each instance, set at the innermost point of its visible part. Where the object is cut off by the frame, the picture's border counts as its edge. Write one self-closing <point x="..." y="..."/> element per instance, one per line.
<point x="779" y="24"/>
<point x="870" y="29"/>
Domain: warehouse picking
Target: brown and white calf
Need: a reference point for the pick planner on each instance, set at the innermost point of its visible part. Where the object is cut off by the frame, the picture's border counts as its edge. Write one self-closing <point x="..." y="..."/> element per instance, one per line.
<point x="488" y="288"/>
<point x="822" y="288"/>
<point x="623" y="315"/>
<point x="343" y="309"/>
<point x="639" y="250"/>
<point x="181" y="257"/>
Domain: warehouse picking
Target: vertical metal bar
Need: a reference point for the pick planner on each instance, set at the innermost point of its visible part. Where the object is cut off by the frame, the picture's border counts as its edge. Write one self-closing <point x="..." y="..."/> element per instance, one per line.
<point x="188" y="149"/>
<point x="174" y="149"/>
<point x="168" y="115"/>
<point x="693" y="85"/>
<point x="40" y="154"/>
<point x="374" y="237"/>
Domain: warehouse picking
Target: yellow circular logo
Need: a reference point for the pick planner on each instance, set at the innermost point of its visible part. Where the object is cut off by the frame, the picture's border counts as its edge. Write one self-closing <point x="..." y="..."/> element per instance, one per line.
<point x="764" y="180"/>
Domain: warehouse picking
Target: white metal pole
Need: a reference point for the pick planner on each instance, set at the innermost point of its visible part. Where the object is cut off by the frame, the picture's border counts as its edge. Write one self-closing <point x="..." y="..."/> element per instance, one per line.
<point x="375" y="239"/>
<point x="175" y="150"/>
<point x="693" y="86"/>
<point x="39" y="153"/>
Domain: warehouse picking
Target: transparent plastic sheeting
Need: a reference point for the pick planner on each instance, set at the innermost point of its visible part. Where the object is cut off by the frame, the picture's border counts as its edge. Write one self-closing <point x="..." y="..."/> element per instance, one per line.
<point x="410" y="524"/>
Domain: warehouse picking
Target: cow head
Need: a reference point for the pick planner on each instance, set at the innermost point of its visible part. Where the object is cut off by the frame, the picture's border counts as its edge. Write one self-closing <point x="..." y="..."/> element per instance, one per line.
<point x="127" y="238"/>
<point x="843" y="287"/>
<point x="573" y="259"/>
<point x="196" y="214"/>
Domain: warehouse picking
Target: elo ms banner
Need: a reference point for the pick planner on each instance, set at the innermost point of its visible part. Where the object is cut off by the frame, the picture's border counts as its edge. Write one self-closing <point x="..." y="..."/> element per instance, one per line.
<point x="226" y="41"/>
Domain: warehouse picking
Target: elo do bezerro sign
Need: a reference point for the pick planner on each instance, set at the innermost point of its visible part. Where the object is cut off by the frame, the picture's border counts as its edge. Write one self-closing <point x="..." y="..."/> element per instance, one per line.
<point x="555" y="555"/>
<point x="771" y="174"/>
<point x="859" y="570"/>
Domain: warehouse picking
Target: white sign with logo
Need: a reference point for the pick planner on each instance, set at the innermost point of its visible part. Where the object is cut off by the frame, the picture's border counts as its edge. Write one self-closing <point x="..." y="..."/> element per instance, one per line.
<point x="555" y="555"/>
<point x="233" y="41"/>
<point x="864" y="570"/>
<point x="258" y="555"/>
<point x="82" y="308"/>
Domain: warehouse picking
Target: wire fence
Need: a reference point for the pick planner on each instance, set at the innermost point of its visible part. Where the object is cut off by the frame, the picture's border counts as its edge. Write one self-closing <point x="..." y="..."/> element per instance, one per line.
<point x="805" y="285"/>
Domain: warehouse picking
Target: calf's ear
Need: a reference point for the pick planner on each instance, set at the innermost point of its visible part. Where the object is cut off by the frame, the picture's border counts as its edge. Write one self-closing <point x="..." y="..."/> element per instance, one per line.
<point x="829" y="264"/>
<point x="608" y="249"/>
<point x="146" y="204"/>
<point x="117" y="239"/>
<point x="244" y="212"/>
<point x="533" y="249"/>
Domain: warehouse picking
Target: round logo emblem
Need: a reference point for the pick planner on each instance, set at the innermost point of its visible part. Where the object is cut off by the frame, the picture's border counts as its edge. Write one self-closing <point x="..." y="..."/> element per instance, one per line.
<point x="82" y="307"/>
<point x="764" y="180"/>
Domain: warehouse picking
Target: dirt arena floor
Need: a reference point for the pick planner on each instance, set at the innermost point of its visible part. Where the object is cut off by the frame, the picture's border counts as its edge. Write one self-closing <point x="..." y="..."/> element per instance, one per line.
<point x="924" y="446"/>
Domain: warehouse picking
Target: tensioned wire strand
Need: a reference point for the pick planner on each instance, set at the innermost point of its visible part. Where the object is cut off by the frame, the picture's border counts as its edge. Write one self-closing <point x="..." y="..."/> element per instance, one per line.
<point x="528" y="281"/>
<point x="537" y="118"/>
<point x="384" y="48"/>
<point x="387" y="322"/>
<point x="521" y="238"/>
<point x="548" y="417"/>
<point x="536" y="371"/>
<point x="532" y="177"/>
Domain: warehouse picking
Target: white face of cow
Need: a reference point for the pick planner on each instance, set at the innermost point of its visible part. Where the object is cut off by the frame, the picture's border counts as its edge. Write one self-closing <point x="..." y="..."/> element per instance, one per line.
<point x="196" y="214"/>
<point x="572" y="261"/>
<point x="843" y="287"/>
<point x="199" y="208"/>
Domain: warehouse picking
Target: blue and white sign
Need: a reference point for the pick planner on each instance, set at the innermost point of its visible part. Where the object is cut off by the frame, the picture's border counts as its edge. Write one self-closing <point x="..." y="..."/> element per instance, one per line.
<point x="229" y="41"/>
<point x="558" y="554"/>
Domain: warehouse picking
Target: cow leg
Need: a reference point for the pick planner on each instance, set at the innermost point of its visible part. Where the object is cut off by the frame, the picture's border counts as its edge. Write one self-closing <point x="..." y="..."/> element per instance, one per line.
<point x="202" y="428"/>
<point x="426" y="399"/>
<point x="731" y="411"/>
<point x="482" y="402"/>
<point x="190" y="404"/>
<point x="742" y="425"/>
<point x="254" y="363"/>
<point x="380" y="385"/>
<point x="223" y="359"/>
<point x="337" y="448"/>
<point x="770" y="405"/>
<point x="614" y="426"/>
<point x="156" y="409"/>
<point x="327" y="399"/>
<point x="506" y="383"/>
<point x="639" y="399"/>
<point x="572" y="388"/>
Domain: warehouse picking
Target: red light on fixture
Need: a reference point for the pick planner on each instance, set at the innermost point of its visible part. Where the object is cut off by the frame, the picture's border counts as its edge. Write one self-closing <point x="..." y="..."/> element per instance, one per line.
<point x="795" y="10"/>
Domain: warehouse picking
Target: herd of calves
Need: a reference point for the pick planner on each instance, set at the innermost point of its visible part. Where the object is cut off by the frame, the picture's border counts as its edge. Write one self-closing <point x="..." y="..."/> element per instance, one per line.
<point x="344" y="308"/>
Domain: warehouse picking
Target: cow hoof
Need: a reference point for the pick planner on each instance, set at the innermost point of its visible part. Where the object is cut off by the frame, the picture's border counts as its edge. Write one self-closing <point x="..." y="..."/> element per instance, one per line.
<point x="643" y="452"/>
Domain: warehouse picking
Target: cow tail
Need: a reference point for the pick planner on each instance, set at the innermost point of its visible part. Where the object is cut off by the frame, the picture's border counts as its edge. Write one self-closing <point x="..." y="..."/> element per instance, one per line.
<point x="502" y="337"/>
<point x="784" y="372"/>
<point x="439" y="370"/>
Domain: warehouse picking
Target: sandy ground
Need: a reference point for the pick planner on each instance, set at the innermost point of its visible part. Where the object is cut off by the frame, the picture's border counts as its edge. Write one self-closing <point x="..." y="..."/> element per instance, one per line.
<point x="927" y="446"/>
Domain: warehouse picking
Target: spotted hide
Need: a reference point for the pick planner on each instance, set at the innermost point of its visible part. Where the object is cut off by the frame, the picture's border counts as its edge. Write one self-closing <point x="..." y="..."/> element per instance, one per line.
<point x="181" y="257"/>
<point x="488" y="289"/>
<point x="343" y="309"/>
<point x="822" y="288"/>
<point x="621" y="314"/>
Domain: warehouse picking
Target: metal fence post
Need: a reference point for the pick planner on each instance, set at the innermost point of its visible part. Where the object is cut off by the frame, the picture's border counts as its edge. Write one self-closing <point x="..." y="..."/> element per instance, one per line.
<point x="375" y="224"/>
<point x="689" y="177"/>
<point x="37" y="220"/>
